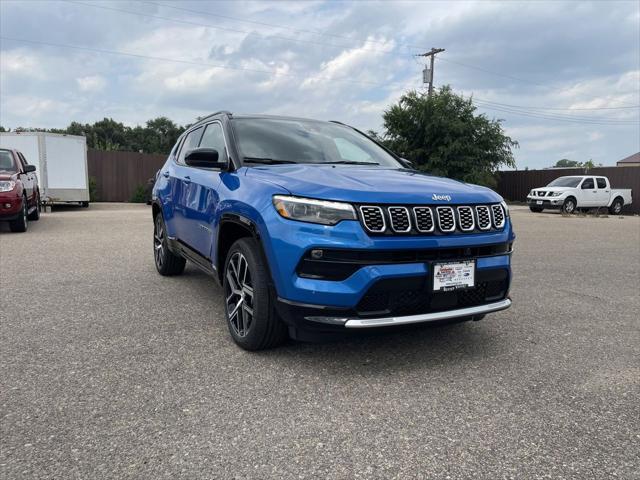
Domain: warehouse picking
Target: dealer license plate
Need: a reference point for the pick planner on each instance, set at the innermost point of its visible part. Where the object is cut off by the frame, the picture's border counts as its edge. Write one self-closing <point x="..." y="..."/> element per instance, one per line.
<point x="453" y="276"/>
<point x="539" y="202"/>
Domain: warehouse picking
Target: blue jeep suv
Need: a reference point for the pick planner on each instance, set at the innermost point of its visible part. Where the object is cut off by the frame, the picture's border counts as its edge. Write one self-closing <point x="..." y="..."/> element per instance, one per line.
<point x="313" y="228"/>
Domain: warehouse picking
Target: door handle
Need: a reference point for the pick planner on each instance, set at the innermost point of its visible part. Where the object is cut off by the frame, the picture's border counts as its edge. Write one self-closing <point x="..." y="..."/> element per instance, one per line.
<point x="187" y="179"/>
<point x="594" y="191"/>
<point x="165" y="174"/>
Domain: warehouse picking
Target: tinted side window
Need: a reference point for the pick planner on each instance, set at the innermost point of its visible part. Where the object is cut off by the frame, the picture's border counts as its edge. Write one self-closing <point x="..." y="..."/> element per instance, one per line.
<point x="588" y="183"/>
<point x="602" y="183"/>
<point x="190" y="142"/>
<point x="214" y="138"/>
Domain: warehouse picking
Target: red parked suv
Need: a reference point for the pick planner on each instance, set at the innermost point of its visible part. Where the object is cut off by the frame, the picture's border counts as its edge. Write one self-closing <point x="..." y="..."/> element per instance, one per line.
<point x="19" y="192"/>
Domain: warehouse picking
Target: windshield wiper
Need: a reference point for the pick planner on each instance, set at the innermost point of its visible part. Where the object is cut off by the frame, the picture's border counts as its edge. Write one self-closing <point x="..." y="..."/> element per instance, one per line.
<point x="349" y="162"/>
<point x="267" y="161"/>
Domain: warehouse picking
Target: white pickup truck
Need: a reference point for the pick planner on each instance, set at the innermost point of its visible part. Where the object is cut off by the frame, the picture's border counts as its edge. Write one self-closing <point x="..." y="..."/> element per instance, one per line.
<point x="579" y="191"/>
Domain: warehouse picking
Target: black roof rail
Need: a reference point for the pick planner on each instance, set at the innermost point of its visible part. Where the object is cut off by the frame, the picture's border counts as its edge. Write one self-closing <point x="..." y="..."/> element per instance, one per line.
<point x="226" y="112"/>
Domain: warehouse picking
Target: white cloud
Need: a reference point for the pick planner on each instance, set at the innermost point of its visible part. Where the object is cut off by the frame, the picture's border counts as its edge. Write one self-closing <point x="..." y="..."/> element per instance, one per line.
<point x="91" y="83"/>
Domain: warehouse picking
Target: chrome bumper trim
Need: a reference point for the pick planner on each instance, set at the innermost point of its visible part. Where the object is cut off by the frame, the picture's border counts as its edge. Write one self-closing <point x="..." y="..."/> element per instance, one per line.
<point x="425" y="317"/>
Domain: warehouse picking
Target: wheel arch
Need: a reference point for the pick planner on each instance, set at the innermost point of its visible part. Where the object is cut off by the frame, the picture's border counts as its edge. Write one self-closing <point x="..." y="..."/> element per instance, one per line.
<point x="232" y="228"/>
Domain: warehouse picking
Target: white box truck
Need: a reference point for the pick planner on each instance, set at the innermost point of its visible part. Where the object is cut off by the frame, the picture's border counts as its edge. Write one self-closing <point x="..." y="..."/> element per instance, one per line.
<point x="60" y="160"/>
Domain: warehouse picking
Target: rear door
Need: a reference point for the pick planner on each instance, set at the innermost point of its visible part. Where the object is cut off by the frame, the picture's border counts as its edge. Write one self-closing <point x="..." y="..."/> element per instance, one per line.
<point x="201" y="193"/>
<point x="588" y="193"/>
<point x="603" y="192"/>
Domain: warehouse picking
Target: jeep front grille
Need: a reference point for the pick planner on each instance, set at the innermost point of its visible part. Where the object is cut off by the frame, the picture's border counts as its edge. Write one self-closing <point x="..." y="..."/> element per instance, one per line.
<point x="424" y="219"/>
<point x="399" y="219"/>
<point x="498" y="216"/>
<point x="436" y="220"/>
<point x="484" y="217"/>
<point x="373" y="219"/>
<point x="446" y="219"/>
<point x="465" y="219"/>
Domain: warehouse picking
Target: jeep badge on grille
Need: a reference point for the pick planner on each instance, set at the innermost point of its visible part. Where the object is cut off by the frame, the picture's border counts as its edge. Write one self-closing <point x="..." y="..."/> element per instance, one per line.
<point x="441" y="197"/>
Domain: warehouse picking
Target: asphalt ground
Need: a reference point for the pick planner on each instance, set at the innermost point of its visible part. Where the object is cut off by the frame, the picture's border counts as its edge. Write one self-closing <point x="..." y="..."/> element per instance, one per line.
<point x="109" y="370"/>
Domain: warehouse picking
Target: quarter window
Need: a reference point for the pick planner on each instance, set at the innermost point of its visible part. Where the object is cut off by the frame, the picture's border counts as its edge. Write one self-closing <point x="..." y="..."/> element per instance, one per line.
<point x="602" y="183"/>
<point x="190" y="142"/>
<point x="214" y="138"/>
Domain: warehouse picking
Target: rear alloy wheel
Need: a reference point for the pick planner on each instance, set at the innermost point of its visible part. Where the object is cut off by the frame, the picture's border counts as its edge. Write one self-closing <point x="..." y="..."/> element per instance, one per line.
<point x="251" y="317"/>
<point x="569" y="206"/>
<point x="21" y="224"/>
<point x="167" y="263"/>
<point x="616" y="207"/>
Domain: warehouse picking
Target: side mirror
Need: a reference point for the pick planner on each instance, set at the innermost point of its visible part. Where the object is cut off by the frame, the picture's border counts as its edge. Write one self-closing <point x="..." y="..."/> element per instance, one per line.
<point x="407" y="163"/>
<point x="29" y="168"/>
<point x="203" y="158"/>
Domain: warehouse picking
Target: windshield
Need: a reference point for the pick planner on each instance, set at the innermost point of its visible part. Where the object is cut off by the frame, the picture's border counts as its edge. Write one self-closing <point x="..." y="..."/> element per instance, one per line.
<point x="565" y="182"/>
<point x="6" y="162"/>
<point x="266" y="140"/>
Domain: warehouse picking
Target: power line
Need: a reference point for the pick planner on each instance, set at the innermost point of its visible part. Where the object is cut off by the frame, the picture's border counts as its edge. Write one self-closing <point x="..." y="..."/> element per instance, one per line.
<point x="229" y="29"/>
<point x="556" y="118"/>
<point x="284" y="27"/>
<point x="205" y="64"/>
<point x="557" y="108"/>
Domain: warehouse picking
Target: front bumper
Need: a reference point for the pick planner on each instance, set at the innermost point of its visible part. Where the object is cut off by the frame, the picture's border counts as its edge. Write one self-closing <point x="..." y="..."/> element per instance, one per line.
<point x="550" y="202"/>
<point x="10" y="206"/>
<point x="304" y="299"/>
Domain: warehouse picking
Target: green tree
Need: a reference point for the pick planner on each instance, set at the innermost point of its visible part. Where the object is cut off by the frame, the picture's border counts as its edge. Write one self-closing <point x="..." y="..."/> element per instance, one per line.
<point x="565" y="162"/>
<point x="443" y="135"/>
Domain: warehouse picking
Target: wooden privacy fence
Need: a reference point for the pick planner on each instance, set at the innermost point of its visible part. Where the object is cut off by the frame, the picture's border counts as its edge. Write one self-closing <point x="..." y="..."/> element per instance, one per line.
<point x="119" y="174"/>
<point x="516" y="185"/>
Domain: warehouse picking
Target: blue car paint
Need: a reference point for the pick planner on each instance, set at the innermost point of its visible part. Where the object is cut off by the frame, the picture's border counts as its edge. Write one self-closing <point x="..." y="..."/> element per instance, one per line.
<point x="193" y="210"/>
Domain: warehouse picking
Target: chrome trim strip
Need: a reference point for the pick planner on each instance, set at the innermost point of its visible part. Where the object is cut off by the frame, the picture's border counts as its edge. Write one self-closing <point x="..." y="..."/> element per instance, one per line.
<point x="453" y="219"/>
<point x="433" y="220"/>
<point x="473" y="220"/>
<point x="425" y="317"/>
<point x="384" y="221"/>
<point x="406" y="210"/>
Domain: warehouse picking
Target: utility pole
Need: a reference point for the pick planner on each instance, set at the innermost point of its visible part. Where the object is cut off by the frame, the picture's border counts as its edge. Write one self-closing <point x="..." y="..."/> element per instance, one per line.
<point x="427" y="73"/>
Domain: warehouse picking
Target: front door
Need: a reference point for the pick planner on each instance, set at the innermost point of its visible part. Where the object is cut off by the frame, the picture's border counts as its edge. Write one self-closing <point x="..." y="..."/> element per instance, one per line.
<point x="588" y="193"/>
<point x="202" y="193"/>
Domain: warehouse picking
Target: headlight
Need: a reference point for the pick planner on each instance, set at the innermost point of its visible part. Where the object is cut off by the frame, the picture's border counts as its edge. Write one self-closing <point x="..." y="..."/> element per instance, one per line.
<point x="7" y="185"/>
<point x="555" y="194"/>
<point x="506" y="208"/>
<point x="313" y="211"/>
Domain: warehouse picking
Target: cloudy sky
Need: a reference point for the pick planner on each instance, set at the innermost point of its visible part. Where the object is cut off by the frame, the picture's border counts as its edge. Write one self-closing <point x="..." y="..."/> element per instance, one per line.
<point x="564" y="75"/>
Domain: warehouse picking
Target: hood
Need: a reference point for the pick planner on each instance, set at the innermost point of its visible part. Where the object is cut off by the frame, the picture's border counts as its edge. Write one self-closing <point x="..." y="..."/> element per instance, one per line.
<point x="371" y="185"/>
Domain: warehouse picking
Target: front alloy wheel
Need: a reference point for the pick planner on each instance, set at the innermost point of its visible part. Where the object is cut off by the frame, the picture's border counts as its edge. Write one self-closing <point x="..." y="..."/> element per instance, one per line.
<point x="239" y="295"/>
<point x="569" y="206"/>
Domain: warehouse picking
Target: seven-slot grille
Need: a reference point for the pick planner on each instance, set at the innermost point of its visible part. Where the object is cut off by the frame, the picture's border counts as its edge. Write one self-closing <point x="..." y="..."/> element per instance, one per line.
<point x="373" y="218"/>
<point x="498" y="216"/>
<point x="484" y="217"/>
<point x="446" y="219"/>
<point x="424" y="219"/>
<point x="465" y="219"/>
<point x="437" y="219"/>
<point x="400" y="221"/>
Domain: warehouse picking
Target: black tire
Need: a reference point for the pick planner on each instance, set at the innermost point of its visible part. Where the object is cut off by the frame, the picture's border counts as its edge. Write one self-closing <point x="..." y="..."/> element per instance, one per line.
<point x="248" y="305"/>
<point x="21" y="223"/>
<point x="35" y="215"/>
<point x="569" y="206"/>
<point x="536" y="209"/>
<point x="616" y="206"/>
<point x="85" y="204"/>
<point x="167" y="263"/>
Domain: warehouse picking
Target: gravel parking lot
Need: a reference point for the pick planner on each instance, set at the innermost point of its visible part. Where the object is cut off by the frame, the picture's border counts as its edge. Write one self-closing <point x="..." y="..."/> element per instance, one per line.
<point x="112" y="371"/>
